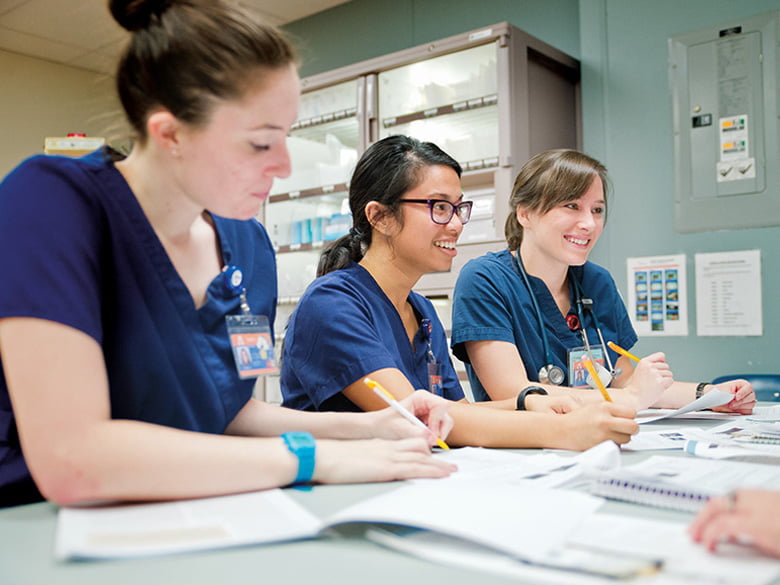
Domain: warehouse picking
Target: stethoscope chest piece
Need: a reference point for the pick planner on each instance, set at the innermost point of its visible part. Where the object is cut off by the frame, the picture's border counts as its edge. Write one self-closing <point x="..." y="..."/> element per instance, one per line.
<point x="551" y="374"/>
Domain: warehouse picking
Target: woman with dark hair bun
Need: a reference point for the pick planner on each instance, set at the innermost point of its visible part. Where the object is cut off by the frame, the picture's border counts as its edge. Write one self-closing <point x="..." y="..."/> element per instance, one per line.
<point x="360" y="317"/>
<point x="137" y="281"/>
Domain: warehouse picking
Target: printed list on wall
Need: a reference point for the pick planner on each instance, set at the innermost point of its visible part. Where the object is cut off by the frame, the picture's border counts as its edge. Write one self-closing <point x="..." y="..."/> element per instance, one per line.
<point x="657" y="297"/>
<point x="728" y="293"/>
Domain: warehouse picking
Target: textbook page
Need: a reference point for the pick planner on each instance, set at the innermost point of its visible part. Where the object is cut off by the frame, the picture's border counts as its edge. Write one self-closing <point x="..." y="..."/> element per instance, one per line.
<point x="139" y="530"/>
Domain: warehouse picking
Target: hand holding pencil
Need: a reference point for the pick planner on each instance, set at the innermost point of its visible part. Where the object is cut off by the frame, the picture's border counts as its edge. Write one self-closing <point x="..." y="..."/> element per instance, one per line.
<point x="650" y="378"/>
<point x="423" y="404"/>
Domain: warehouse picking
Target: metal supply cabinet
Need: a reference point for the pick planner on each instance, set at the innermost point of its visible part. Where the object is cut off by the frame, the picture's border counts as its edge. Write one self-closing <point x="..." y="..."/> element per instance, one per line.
<point x="491" y="98"/>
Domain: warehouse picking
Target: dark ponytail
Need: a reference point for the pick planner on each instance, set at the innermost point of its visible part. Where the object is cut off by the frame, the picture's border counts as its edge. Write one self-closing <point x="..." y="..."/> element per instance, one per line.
<point x="341" y="252"/>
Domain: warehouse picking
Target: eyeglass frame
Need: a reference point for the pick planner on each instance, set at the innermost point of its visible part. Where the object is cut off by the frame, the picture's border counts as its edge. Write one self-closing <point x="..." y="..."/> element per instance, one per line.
<point x="454" y="208"/>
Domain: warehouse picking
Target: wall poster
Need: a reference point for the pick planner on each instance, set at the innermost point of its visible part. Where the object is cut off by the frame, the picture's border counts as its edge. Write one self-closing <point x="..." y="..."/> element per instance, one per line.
<point x="728" y="293"/>
<point x="657" y="295"/>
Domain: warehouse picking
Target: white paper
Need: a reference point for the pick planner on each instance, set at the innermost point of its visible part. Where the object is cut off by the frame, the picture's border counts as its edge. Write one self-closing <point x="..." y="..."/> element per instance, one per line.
<point x="495" y="466"/>
<point x="716" y="477"/>
<point x="449" y="551"/>
<point x="737" y="452"/>
<point x="667" y="439"/>
<point x="686" y="562"/>
<point x="526" y="521"/>
<point x="728" y="293"/>
<point x="766" y="413"/>
<point x="743" y="438"/>
<point x="136" y="530"/>
<point x="442" y="549"/>
<point x="711" y="399"/>
<point x="522" y="520"/>
<point x="657" y="295"/>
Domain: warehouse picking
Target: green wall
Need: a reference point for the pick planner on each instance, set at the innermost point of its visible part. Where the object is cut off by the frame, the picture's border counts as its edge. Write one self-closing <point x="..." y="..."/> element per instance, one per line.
<point x="626" y="123"/>
<point x="627" y="117"/>
<point x="362" y="29"/>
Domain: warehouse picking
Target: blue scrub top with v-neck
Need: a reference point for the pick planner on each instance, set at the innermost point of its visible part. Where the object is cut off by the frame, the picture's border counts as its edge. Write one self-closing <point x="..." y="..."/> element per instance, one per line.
<point x="77" y="249"/>
<point x="492" y="303"/>
<point x="343" y="328"/>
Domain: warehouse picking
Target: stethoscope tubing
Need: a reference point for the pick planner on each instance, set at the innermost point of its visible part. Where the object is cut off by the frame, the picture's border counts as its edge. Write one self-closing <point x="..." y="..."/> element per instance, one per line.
<point x="578" y="301"/>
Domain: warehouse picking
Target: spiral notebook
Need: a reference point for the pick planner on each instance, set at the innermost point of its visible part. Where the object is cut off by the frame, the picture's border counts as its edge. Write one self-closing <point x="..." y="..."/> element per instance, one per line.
<point x="681" y="483"/>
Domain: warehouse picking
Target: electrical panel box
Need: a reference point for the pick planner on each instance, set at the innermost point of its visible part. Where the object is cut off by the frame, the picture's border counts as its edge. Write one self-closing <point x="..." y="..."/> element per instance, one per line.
<point x="724" y="83"/>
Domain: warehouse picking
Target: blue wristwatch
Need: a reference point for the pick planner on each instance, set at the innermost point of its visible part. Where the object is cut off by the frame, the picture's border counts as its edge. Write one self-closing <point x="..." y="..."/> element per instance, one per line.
<point x="302" y="445"/>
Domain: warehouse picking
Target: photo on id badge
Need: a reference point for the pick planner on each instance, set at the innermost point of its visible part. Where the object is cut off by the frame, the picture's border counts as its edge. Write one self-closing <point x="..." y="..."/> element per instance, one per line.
<point x="253" y="351"/>
<point x="578" y="377"/>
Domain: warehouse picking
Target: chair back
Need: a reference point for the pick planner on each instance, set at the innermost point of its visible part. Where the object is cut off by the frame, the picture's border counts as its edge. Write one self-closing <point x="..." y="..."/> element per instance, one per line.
<point x="767" y="386"/>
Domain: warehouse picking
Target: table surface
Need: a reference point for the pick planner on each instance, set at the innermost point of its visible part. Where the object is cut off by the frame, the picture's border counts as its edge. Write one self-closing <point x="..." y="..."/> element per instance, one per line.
<point x="27" y="541"/>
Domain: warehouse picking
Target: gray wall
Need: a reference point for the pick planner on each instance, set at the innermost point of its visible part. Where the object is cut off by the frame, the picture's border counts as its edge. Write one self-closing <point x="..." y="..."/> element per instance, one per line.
<point x="626" y="123"/>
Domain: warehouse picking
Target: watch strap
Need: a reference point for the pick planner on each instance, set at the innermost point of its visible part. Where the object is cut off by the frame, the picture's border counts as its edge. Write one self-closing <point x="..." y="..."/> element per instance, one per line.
<point x="304" y="447"/>
<point x="520" y="404"/>
<point x="700" y="389"/>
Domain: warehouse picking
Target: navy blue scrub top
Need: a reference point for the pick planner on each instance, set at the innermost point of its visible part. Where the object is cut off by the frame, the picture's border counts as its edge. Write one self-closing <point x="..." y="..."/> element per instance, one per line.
<point x="76" y="248"/>
<point x="343" y="328"/>
<point x="491" y="302"/>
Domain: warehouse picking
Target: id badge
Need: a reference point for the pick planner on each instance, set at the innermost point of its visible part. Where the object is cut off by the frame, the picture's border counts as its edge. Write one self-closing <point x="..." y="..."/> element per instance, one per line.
<point x="253" y="351"/>
<point x="578" y="374"/>
<point x="434" y="378"/>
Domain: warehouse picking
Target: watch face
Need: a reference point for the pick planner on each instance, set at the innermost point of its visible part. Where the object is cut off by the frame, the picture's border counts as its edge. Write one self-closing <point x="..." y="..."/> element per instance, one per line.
<point x="300" y="441"/>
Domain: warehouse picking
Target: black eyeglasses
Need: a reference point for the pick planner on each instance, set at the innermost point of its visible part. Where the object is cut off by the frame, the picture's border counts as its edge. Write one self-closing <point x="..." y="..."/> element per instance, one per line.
<point x="442" y="210"/>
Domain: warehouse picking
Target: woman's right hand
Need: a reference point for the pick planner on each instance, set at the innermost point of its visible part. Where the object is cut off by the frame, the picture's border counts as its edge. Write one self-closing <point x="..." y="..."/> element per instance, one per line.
<point x="376" y="460"/>
<point x="651" y="377"/>
<point x="595" y="423"/>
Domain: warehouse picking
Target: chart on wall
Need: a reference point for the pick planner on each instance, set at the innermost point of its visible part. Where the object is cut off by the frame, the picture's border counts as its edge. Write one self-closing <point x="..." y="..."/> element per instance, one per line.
<point x="657" y="297"/>
<point x="728" y="293"/>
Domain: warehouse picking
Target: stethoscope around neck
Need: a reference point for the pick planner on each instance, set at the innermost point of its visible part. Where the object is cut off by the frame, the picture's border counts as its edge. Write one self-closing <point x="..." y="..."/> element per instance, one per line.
<point x="551" y="373"/>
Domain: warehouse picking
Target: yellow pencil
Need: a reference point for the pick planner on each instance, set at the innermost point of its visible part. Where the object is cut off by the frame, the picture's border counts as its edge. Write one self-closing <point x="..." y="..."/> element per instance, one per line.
<point x="622" y="351"/>
<point x="596" y="379"/>
<point x="398" y="407"/>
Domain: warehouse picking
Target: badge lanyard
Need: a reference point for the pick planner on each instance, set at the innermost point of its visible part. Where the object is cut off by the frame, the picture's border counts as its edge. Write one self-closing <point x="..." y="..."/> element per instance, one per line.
<point x="250" y="335"/>
<point x="584" y="302"/>
<point x="434" y="367"/>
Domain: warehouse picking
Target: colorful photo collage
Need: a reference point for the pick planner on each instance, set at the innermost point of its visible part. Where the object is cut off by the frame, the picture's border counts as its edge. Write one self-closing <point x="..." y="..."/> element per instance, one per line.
<point x="657" y="297"/>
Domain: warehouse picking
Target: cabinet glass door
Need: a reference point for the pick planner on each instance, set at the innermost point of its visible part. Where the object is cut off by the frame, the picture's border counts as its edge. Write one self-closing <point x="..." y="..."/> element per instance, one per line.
<point x="310" y="207"/>
<point x="451" y="100"/>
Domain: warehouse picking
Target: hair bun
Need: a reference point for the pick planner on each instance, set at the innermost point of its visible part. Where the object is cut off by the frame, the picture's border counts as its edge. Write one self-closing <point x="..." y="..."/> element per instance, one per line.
<point x="135" y="15"/>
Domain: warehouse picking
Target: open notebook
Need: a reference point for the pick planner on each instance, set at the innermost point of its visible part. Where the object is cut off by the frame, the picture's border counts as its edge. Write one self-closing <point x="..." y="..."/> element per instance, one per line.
<point x="682" y="483"/>
<point x="526" y="525"/>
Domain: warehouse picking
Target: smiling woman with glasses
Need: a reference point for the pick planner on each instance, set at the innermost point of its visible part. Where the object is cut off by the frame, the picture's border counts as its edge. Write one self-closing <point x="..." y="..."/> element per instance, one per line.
<point x="360" y="317"/>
